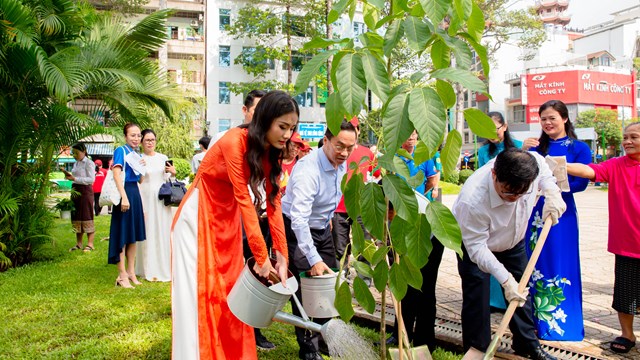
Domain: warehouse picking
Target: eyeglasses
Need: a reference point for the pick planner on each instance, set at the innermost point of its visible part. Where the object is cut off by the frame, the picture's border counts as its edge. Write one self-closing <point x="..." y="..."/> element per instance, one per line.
<point x="340" y="148"/>
<point x="499" y="127"/>
<point x="149" y="140"/>
<point x="510" y="194"/>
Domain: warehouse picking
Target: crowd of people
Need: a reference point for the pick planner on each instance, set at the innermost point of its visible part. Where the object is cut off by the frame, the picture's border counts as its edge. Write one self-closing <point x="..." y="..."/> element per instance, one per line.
<point x="260" y="191"/>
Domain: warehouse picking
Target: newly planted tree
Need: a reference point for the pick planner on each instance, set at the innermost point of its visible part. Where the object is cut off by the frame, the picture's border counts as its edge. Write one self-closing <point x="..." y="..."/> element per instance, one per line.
<point x="448" y="33"/>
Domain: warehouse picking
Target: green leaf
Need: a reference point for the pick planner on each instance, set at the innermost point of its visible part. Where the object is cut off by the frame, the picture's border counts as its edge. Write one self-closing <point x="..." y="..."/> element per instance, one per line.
<point x="480" y="123"/>
<point x="381" y="275"/>
<point x="398" y="230"/>
<point x="357" y="241"/>
<point x="352" y="195"/>
<point x="377" y="3"/>
<point x="363" y="268"/>
<point x="373" y="42"/>
<point x="363" y="295"/>
<point x="401" y="167"/>
<point x="401" y="196"/>
<point x="446" y="92"/>
<point x="440" y="55"/>
<point x="334" y="112"/>
<point x="343" y="302"/>
<point x="310" y="70"/>
<point x="451" y="153"/>
<point x="379" y="255"/>
<point x="411" y="273"/>
<point x="377" y="77"/>
<point x="416" y="180"/>
<point x="463" y="8"/>
<point x="481" y="52"/>
<point x="334" y="64"/>
<point x="460" y="50"/>
<point x="417" y="32"/>
<point x="428" y="115"/>
<point x="444" y="226"/>
<point x="392" y="36"/>
<point x="321" y="43"/>
<point x="337" y="10"/>
<point x="436" y="9"/>
<point x="422" y="153"/>
<point x="370" y="249"/>
<point x="370" y="15"/>
<point x="373" y="208"/>
<point x="397" y="282"/>
<point x="396" y="129"/>
<point x="419" y="241"/>
<point x="475" y="24"/>
<point x="351" y="83"/>
<point x="465" y="77"/>
<point x="417" y="76"/>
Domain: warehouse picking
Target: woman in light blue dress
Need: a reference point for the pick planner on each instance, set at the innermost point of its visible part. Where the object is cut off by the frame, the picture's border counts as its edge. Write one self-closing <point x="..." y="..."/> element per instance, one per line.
<point x="488" y="151"/>
<point x="555" y="285"/>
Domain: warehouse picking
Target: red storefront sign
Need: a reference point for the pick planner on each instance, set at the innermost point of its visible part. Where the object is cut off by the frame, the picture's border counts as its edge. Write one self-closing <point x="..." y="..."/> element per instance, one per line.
<point x="577" y="86"/>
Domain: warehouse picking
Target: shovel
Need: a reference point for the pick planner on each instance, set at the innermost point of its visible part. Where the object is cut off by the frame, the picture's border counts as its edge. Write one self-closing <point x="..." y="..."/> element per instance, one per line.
<point x="522" y="285"/>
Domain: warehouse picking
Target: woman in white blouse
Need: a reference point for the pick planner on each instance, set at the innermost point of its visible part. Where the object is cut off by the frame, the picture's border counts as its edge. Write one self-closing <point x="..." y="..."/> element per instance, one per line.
<point x="83" y="175"/>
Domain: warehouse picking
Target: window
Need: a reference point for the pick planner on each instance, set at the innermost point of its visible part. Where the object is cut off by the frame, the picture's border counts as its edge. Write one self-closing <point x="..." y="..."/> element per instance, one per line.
<point x="223" y="124"/>
<point x="298" y="26"/>
<point x="358" y="28"/>
<point x="224" y="95"/>
<point x="253" y="57"/>
<point x="297" y="61"/>
<point x="516" y="91"/>
<point x="173" y="32"/>
<point x="466" y="137"/>
<point x="189" y="76"/>
<point x="225" y="19"/>
<point x="306" y="98"/>
<point x="519" y="114"/>
<point x="225" y="56"/>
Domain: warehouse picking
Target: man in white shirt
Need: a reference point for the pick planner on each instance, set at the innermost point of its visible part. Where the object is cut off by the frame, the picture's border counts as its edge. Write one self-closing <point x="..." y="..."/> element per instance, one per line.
<point x="197" y="158"/>
<point x="493" y="210"/>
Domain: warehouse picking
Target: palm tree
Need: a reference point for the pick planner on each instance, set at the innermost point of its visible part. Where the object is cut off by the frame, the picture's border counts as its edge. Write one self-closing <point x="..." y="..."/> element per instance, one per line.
<point x="54" y="56"/>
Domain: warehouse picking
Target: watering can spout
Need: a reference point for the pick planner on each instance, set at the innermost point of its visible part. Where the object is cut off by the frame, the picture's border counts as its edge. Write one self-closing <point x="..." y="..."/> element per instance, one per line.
<point x="298" y="321"/>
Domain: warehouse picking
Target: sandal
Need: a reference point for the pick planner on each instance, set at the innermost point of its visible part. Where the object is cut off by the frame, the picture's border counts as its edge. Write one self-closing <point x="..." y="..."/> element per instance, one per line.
<point x="87" y="249"/>
<point x="124" y="283"/>
<point x="622" y="345"/>
<point x="75" y="248"/>
<point x="134" y="280"/>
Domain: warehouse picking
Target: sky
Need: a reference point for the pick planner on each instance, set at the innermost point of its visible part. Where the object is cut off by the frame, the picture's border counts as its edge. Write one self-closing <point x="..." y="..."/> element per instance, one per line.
<point x="585" y="13"/>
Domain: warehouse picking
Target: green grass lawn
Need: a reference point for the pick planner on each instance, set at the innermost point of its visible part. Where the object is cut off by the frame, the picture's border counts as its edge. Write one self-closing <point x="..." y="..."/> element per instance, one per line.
<point x="67" y="307"/>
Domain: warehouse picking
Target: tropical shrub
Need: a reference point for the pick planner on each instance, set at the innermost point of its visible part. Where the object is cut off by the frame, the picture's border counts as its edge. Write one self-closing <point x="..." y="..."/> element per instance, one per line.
<point x="452" y="177"/>
<point x="183" y="168"/>
<point x="464" y="175"/>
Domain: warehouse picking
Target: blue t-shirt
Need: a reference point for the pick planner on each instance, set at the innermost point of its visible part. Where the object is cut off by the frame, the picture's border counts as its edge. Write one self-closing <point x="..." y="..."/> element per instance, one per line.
<point x="428" y="168"/>
<point x="118" y="159"/>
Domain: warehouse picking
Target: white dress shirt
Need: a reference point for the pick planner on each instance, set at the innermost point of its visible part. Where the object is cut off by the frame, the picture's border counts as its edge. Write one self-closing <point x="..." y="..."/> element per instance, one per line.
<point x="313" y="193"/>
<point x="84" y="172"/>
<point x="490" y="224"/>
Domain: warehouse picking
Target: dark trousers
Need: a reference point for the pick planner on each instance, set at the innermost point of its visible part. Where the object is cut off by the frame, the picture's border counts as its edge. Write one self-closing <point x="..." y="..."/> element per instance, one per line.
<point x="341" y="229"/>
<point x="323" y="241"/>
<point x="419" y="306"/>
<point x="476" y="314"/>
<point x="96" y="203"/>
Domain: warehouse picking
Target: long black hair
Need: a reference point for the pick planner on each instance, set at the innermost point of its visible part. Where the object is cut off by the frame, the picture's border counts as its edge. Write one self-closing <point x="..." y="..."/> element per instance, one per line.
<point x="273" y="105"/>
<point x="506" y="138"/>
<point x="561" y="108"/>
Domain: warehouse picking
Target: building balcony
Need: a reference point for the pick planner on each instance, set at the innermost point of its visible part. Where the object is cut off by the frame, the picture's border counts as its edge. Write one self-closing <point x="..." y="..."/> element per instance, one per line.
<point x="551" y="3"/>
<point x="185" y="5"/>
<point x="186" y="46"/>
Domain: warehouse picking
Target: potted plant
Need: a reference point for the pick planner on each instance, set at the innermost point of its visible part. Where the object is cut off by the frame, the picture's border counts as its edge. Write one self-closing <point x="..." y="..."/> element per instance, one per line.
<point x="66" y="207"/>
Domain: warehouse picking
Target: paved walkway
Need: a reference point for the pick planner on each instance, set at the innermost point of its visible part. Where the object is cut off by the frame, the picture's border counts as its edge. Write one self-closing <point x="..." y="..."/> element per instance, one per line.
<point x="601" y="321"/>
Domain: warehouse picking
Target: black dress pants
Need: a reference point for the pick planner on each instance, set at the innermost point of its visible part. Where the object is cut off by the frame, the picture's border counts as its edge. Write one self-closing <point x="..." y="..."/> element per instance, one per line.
<point x="323" y="241"/>
<point x="476" y="314"/>
<point x="419" y="306"/>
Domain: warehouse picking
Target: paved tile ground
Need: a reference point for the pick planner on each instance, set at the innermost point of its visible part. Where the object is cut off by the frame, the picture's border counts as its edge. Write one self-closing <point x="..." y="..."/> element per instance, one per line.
<point x="601" y="321"/>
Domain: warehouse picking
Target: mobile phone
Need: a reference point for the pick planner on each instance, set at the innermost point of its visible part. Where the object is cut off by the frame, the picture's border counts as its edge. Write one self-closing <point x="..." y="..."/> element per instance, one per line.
<point x="168" y="163"/>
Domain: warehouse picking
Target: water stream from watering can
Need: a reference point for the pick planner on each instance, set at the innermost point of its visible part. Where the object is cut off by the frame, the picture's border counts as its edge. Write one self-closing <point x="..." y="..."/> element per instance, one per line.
<point x="345" y="343"/>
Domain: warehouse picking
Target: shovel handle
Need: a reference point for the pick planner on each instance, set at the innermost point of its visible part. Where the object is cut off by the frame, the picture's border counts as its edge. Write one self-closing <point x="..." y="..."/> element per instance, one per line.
<point x="522" y="285"/>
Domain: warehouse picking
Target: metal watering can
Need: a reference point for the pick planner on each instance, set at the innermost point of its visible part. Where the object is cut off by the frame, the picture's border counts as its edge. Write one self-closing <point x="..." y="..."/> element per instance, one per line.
<point x="257" y="303"/>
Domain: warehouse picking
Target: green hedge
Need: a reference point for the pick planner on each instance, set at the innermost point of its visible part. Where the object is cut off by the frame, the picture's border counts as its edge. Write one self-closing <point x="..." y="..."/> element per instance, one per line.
<point x="464" y="175"/>
<point x="453" y="177"/>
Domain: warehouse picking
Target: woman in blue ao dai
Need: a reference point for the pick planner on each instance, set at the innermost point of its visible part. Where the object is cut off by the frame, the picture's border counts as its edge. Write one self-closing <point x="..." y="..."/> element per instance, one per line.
<point x="555" y="285"/>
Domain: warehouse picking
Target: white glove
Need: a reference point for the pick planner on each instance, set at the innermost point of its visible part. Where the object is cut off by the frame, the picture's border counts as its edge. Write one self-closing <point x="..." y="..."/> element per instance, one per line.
<point x="511" y="291"/>
<point x="558" y="166"/>
<point x="554" y="206"/>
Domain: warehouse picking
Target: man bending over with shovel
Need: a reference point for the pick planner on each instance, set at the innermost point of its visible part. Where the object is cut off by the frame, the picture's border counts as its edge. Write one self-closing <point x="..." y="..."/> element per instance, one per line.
<point x="493" y="209"/>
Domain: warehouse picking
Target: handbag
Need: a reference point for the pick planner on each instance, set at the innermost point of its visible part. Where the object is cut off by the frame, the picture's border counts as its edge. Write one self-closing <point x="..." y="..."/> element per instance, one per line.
<point x="172" y="192"/>
<point x="110" y="194"/>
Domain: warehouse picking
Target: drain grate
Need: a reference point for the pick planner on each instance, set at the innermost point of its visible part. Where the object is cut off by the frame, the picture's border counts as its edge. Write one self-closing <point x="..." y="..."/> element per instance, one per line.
<point x="450" y="331"/>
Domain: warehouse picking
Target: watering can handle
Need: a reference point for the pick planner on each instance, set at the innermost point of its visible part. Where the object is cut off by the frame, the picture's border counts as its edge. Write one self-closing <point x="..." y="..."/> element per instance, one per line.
<point x="274" y="277"/>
